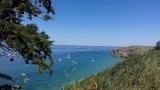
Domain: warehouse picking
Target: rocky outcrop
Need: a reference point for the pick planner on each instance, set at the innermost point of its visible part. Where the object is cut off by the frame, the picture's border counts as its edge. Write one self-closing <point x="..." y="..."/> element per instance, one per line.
<point x="124" y="52"/>
<point x="119" y="53"/>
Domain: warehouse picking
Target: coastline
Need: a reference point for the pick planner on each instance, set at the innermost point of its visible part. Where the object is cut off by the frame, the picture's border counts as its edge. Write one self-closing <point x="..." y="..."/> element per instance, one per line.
<point x="124" y="52"/>
<point x="129" y="74"/>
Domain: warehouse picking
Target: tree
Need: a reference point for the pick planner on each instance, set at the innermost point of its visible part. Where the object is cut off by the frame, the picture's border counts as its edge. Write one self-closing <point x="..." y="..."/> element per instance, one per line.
<point x="157" y="47"/>
<point x="26" y="40"/>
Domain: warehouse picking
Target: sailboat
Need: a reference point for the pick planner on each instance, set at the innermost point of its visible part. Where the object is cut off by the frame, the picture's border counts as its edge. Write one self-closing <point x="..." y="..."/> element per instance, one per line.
<point x="68" y="56"/>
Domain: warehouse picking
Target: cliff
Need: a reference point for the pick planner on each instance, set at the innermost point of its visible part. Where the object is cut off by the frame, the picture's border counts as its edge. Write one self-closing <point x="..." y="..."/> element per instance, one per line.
<point x="124" y="52"/>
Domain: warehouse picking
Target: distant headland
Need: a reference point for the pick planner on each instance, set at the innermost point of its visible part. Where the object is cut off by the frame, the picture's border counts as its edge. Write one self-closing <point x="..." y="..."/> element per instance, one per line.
<point x="124" y="52"/>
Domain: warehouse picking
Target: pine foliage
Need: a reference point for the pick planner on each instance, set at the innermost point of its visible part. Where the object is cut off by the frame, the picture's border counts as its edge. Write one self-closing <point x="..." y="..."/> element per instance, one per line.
<point x="26" y="40"/>
<point x="31" y="44"/>
<point x="14" y="10"/>
<point x="7" y="77"/>
<point x="6" y="87"/>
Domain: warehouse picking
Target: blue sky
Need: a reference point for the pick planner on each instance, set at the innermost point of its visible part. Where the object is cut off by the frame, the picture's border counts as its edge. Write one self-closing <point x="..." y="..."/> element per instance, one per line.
<point x="103" y="22"/>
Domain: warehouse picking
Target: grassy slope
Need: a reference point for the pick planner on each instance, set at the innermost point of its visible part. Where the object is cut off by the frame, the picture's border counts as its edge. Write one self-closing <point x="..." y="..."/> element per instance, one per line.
<point x="138" y="72"/>
<point x="136" y="48"/>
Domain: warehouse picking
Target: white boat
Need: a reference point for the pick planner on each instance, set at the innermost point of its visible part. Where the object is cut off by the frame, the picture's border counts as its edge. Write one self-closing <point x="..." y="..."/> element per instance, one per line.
<point x="93" y="60"/>
<point x="59" y="59"/>
<point x="68" y="56"/>
<point x="74" y="62"/>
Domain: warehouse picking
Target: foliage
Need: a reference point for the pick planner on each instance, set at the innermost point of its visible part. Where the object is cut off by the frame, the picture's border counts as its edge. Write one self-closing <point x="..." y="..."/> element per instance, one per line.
<point x="157" y="47"/>
<point x="14" y="10"/>
<point x="7" y="77"/>
<point x="6" y="86"/>
<point x="31" y="44"/>
<point x="138" y="72"/>
<point x="26" y="40"/>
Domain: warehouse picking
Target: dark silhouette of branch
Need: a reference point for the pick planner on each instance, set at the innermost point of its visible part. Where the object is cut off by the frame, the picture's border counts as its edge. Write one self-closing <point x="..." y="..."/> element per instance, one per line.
<point x="7" y="77"/>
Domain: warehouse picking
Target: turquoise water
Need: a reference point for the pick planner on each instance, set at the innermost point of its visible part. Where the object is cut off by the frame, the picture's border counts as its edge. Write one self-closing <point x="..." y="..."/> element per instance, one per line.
<point x="71" y="64"/>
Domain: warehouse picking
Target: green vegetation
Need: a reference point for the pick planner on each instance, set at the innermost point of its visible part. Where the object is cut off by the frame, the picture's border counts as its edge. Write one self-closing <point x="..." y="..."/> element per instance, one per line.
<point x="136" y="49"/>
<point x="26" y="40"/>
<point x="124" y="52"/>
<point x="157" y="47"/>
<point x="138" y="72"/>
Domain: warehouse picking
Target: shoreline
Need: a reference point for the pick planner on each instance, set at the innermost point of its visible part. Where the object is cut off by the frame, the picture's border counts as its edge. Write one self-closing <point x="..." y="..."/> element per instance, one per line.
<point x="124" y="52"/>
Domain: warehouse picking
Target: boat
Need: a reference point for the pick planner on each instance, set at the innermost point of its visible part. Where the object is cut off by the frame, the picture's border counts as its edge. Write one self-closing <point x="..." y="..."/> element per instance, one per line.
<point x="59" y="59"/>
<point x="68" y="56"/>
<point x="74" y="62"/>
<point x="93" y="60"/>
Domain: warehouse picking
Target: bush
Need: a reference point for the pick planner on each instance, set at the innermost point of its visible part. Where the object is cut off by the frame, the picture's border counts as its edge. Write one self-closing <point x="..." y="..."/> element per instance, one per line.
<point x="157" y="47"/>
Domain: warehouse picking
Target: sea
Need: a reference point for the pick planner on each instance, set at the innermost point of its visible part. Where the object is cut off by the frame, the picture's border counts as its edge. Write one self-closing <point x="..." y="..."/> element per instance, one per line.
<point x="72" y="63"/>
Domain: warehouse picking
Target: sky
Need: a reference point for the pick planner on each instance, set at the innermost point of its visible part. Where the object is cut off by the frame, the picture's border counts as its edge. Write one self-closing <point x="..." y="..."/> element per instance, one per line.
<point x="103" y="22"/>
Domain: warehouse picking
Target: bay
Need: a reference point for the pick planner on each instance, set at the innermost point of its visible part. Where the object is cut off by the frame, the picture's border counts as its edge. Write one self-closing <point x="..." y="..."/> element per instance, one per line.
<point x="72" y="63"/>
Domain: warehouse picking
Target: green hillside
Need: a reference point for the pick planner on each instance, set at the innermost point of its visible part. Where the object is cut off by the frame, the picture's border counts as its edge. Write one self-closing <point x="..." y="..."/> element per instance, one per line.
<point x="138" y="72"/>
<point x="126" y="51"/>
<point x="137" y="48"/>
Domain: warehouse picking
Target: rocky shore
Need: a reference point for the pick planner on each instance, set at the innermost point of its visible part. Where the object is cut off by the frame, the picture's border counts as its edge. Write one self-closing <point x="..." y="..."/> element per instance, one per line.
<point x="124" y="52"/>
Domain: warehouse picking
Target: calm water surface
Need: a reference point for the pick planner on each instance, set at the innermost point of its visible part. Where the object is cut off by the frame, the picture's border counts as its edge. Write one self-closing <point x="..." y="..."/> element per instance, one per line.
<point x="71" y="63"/>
